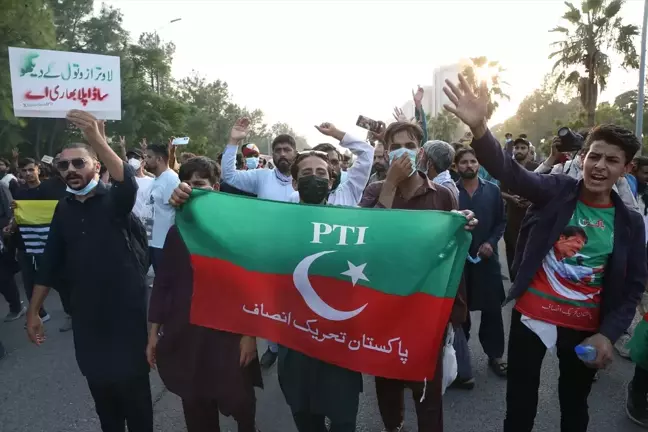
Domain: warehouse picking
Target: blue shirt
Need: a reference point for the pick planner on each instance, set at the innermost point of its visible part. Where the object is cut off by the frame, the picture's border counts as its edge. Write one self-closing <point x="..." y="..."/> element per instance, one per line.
<point x="632" y="182"/>
<point x="488" y="206"/>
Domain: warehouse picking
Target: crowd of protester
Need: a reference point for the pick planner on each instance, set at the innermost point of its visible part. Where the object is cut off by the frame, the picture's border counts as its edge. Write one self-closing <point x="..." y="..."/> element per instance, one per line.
<point x="574" y="227"/>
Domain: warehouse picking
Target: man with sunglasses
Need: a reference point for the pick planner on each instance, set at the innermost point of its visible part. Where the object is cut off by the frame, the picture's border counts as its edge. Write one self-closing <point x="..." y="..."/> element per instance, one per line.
<point x="108" y="283"/>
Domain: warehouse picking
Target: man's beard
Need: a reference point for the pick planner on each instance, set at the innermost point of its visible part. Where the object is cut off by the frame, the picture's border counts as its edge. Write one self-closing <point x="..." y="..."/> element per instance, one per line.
<point x="379" y="167"/>
<point x="468" y="174"/>
<point x="75" y="176"/>
<point x="519" y="157"/>
<point x="282" y="164"/>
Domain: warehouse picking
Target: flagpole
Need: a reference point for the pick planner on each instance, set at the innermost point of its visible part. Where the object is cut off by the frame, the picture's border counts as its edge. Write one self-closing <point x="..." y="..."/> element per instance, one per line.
<point x="642" y="77"/>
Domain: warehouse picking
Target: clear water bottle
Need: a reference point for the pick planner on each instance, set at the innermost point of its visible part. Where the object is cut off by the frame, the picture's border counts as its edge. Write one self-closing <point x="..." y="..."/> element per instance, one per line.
<point x="586" y="353"/>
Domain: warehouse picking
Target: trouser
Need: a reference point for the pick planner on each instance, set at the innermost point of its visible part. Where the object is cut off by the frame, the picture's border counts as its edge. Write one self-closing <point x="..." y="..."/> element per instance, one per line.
<point x="29" y="266"/>
<point x="429" y="413"/>
<point x="124" y="403"/>
<point x="525" y="354"/>
<point x="639" y="387"/>
<point x="491" y="332"/>
<point x="10" y="292"/>
<point x="510" y="239"/>
<point x="202" y="415"/>
<point x="464" y="368"/>
<point x="64" y="295"/>
<point x="8" y="286"/>
<point x="309" y="422"/>
<point x="155" y="256"/>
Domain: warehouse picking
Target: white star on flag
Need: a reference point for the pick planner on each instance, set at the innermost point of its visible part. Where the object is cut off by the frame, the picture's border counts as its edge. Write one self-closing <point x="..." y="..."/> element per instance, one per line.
<point x="356" y="273"/>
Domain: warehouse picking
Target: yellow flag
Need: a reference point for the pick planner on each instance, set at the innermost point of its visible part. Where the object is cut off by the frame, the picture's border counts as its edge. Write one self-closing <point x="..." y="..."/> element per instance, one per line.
<point x="34" y="212"/>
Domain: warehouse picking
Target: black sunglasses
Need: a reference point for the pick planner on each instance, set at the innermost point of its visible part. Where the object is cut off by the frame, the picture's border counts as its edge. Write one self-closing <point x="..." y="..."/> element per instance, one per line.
<point x="77" y="163"/>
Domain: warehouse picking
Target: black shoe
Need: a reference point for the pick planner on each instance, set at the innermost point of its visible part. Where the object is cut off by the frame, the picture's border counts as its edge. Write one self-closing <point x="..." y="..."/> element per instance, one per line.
<point x="637" y="407"/>
<point x="268" y="359"/>
<point x="463" y="384"/>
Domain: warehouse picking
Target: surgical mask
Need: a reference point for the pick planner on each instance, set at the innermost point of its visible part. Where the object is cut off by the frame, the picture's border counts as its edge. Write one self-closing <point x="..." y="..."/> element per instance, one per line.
<point x="400" y="152"/>
<point x="252" y="162"/>
<point x="135" y="163"/>
<point x="313" y="189"/>
<point x="86" y="190"/>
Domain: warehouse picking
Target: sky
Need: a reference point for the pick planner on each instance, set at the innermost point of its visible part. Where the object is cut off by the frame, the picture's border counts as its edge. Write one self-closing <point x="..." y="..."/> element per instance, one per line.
<point x="305" y="62"/>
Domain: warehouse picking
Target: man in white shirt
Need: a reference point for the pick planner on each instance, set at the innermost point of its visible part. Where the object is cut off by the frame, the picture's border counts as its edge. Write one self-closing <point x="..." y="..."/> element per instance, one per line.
<point x="162" y="214"/>
<point x="140" y="209"/>
<point x="345" y="192"/>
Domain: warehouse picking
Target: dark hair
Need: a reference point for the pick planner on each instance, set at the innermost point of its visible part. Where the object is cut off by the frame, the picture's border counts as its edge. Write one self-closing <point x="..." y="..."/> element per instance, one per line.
<point x="508" y="134"/>
<point x="412" y="129"/>
<point x="160" y="150"/>
<point x="86" y="147"/>
<point x="26" y="161"/>
<point x="457" y="146"/>
<point x="327" y="148"/>
<point x="618" y="136"/>
<point x="240" y="161"/>
<point x="102" y="169"/>
<point x="462" y="151"/>
<point x="573" y="230"/>
<point x="5" y="161"/>
<point x="523" y="136"/>
<point x="640" y="161"/>
<point x="186" y="156"/>
<point x="284" y="139"/>
<point x="294" y="168"/>
<point x="203" y="167"/>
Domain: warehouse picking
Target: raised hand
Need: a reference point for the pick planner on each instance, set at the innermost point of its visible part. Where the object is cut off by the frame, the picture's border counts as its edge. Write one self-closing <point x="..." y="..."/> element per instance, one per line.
<point x="240" y="130"/>
<point x="327" y="129"/>
<point x="122" y="142"/>
<point x="15" y="153"/>
<point x="418" y="96"/>
<point x="88" y="123"/>
<point x="399" y="116"/>
<point x="143" y="144"/>
<point x="469" y="107"/>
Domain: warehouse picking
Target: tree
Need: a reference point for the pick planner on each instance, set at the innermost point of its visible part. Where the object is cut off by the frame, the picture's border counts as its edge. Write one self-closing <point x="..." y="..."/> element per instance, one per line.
<point x="154" y="106"/>
<point x="483" y="69"/>
<point x="443" y="127"/>
<point x="592" y="30"/>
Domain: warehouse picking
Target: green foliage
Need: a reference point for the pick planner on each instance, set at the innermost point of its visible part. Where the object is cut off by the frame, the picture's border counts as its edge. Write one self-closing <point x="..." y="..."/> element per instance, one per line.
<point x="444" y="127"/>
<point x="154" y="106"/>
<point x="493" y="71"/>
<point x="581" y="62"/>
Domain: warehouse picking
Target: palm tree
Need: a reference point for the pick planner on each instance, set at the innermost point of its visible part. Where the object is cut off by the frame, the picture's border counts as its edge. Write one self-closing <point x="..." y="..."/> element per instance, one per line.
<point x="482" y="69"/>
<point x="443" y="127"/>
<point x="580" y="58"/>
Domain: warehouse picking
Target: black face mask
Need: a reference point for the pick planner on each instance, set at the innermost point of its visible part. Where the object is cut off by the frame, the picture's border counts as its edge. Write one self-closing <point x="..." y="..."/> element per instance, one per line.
<point x="313" y="189"/>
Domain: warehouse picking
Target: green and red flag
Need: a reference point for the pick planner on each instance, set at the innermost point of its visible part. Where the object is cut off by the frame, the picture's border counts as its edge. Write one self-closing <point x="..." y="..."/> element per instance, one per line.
<point x="366" y="289"/>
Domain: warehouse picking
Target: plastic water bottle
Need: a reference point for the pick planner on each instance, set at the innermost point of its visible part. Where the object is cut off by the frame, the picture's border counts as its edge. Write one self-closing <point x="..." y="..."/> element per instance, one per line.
<point x="586" y="353"/>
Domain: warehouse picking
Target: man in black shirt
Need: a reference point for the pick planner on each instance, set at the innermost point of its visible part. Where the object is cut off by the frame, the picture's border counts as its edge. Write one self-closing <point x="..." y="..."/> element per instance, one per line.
<point x="92" y="245"/>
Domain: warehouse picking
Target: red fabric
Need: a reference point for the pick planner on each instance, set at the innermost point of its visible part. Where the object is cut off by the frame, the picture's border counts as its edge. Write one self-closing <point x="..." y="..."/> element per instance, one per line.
<point x="418" y="320"/>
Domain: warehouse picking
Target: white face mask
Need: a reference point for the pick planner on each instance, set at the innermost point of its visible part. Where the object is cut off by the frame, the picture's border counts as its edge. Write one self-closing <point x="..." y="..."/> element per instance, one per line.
<point x="135" y="163"/>
<point x="86" y="190"/>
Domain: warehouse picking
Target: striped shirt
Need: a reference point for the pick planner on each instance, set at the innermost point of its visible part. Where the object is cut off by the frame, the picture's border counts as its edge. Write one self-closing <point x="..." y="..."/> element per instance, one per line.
<point x="34" y="237"/>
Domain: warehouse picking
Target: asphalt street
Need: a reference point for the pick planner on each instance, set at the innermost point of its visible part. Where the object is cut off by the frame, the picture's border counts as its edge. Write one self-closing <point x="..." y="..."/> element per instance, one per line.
<point x="41" y="390"/>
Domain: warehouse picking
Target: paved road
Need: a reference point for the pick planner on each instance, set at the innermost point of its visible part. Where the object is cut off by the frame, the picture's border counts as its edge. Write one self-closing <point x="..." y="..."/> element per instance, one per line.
<point x="41" y="390"/>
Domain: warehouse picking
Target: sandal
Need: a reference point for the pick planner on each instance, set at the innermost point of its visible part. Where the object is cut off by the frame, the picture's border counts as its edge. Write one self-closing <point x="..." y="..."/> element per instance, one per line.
<point x="499" y="367"/>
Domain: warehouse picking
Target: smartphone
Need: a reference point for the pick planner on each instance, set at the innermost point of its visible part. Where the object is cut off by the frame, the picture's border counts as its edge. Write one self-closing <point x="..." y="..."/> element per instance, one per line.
<point x="369" y="124"/>
<point x="180" y="141"/>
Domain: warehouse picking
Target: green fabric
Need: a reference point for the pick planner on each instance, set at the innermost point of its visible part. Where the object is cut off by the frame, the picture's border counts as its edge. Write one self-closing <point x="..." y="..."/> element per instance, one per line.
<point x="405" y="252"/>
<point x="638" y="345"/>
<point x="598" y="224"/>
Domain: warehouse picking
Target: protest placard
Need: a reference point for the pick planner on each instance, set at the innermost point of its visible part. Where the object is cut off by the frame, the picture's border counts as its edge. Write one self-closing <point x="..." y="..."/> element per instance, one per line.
<point x="48" y="83"/>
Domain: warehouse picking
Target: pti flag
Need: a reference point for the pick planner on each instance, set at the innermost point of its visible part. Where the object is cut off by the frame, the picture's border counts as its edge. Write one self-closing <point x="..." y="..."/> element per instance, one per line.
<point x="365" y="289"/>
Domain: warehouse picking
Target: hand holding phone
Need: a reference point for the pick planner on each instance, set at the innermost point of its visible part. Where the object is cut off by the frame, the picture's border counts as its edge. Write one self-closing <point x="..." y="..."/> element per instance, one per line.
<point x="180" y="141"/>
